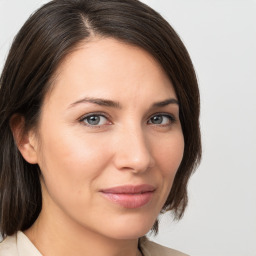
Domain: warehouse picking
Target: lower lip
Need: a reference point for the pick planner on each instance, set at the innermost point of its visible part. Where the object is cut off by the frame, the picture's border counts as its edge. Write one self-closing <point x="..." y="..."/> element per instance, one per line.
<point x="130" y="200"/>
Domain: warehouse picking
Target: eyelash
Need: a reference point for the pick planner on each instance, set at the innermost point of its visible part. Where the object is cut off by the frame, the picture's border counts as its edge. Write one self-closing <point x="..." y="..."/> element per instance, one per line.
<point x="86" y="117"/>
<point x="82" y="120"/>
<point x="171" y="118"/>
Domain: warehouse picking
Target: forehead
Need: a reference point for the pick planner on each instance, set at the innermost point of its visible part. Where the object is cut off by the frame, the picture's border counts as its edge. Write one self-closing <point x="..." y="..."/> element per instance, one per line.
<point x="110" y="68"/>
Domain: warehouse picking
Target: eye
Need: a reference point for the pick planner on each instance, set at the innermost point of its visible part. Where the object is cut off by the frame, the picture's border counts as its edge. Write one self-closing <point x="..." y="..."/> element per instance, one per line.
<point x="95" y="120"/>
<point x="161" y="119"/>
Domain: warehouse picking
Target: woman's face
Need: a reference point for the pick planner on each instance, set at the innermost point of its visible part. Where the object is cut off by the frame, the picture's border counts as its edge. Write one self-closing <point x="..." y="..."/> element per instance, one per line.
<point x="110" y="140"/>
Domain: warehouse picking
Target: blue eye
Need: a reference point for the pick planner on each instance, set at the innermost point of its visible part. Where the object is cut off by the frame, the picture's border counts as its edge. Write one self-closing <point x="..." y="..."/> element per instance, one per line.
<point x="95" y="120"/>
<point x="161" y="119"/>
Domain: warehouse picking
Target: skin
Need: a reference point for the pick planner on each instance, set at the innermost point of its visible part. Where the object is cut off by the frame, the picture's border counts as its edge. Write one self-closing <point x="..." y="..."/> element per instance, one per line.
<point x="127" y="147"/>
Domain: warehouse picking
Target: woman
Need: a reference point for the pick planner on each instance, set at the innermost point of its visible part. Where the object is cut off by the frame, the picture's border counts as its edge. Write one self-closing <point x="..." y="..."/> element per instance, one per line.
<point x="99" y="128"/>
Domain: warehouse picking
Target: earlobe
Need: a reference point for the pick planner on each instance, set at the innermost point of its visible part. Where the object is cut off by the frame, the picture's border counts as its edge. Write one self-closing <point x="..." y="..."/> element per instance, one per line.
<point x="25" y="140"/>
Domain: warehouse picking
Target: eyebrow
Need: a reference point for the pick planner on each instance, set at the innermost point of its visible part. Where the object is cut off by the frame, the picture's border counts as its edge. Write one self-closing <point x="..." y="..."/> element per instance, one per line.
<point x="115" y="104"/>
<point x="98" y="101"/>
<point x="166" y="102"/>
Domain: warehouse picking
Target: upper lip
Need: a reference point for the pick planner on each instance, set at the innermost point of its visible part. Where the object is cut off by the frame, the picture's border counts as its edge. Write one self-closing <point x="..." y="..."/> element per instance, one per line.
<point x="130" y="189"/>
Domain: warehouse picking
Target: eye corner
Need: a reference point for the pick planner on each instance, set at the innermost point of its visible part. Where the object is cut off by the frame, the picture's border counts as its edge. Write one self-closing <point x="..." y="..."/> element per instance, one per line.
<point x="95" y="120"/>
<point x="162" y="119"/>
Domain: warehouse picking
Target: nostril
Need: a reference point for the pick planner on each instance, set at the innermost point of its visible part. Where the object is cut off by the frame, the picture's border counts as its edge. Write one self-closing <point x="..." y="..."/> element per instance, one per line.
<point x="135" y="163"/>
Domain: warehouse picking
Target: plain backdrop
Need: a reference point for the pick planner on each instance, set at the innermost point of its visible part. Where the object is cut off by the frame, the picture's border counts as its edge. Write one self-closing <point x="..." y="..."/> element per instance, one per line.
<point x="220" y="36"/>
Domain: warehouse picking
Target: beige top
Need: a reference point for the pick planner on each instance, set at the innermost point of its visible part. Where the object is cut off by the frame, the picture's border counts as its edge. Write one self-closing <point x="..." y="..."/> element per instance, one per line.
<point x="20" y="245"/>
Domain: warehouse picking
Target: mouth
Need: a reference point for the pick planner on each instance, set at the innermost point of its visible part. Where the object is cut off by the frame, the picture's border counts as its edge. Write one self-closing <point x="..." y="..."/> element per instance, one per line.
<point x="130" y="196"/>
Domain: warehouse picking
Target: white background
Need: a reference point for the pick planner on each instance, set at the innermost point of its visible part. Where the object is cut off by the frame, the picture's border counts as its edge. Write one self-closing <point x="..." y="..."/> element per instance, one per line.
<point x="221" y="38"/>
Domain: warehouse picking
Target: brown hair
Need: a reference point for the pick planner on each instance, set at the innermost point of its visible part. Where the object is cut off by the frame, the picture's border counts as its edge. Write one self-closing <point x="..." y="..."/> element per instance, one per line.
<point x="42" y="43"/>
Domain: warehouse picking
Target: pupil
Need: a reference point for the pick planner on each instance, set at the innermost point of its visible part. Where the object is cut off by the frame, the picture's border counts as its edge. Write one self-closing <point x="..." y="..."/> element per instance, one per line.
<point x="94" y="120"/>
<point x="157" y="119"/>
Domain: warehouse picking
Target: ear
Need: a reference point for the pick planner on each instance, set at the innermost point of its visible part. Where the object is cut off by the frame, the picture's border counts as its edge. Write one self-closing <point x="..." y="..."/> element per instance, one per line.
<point x="25" y="140"/>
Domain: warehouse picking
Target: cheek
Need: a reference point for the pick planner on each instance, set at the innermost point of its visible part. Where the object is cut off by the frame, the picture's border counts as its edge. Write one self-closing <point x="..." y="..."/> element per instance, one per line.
<point x="169" y="154"/>
<point x="71" y="160"/>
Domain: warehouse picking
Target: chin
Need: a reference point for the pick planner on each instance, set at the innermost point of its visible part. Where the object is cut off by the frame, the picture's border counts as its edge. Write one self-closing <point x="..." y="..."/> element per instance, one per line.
<point x="132" y="229"/>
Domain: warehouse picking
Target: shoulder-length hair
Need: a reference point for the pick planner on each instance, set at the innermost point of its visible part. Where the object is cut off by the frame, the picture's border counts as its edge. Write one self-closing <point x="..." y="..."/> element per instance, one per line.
<point x="47" y="37"/>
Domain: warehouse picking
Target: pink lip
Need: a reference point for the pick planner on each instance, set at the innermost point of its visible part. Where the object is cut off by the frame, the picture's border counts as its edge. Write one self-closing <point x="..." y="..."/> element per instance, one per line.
<point x="130" y="196"/>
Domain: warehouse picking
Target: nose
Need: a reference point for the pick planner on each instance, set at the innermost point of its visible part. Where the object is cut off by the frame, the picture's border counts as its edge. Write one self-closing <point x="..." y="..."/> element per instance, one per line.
<point x="133" y="151"/>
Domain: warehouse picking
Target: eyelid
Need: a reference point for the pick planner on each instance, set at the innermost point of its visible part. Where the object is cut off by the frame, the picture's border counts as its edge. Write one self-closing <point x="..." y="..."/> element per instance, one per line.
<point x="172" y="117"/>
<point x="82" y="118"/>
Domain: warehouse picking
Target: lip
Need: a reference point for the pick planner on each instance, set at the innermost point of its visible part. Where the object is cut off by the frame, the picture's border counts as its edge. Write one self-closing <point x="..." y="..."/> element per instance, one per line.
<point x="130" y="196"/>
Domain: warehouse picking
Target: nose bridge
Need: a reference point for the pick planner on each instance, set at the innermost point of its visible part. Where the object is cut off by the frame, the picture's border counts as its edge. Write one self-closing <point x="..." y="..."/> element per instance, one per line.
<point x="133" y="151"/>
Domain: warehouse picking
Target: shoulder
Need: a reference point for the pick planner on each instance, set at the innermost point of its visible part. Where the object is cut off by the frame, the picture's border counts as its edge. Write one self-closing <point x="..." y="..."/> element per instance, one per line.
<point x="8" y="247"/>
<point x="18" y="245"/>
<point x="150" y="248"/>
